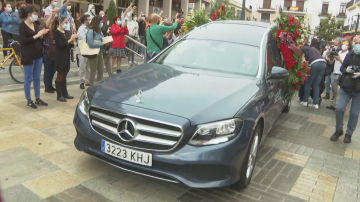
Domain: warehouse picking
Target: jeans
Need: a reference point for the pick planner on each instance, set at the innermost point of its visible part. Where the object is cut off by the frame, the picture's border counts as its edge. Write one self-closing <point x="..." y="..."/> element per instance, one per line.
<point x="83" y="69"/>
<point x="32" y="73"/>
<point x="96" y="65"/>
<point x="335" y="86"/>
<point x="316" y="74"/>
<point x="328" y="84"/>
<point x="142" y="40"/>
<point x="49" y="71"/>
<point x="344" y="99"/>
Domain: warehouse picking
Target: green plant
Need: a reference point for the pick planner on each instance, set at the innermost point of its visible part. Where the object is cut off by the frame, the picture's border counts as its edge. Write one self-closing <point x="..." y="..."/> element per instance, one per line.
<point x="328" y="28"/>
<point x="112" y="12"/>
<point x="195" y="19"/>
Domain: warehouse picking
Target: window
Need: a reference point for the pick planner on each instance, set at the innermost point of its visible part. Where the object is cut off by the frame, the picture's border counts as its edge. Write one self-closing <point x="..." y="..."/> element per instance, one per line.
<point x="287" y="4"/>
<point x="265" y="17"/>
<point x="325" y="7"/>
<point x="213" y="55"/>
<point x="300" y="5"/>
<point x="343" y="8"/>
<point x="273" y="56"/>
<point x="124" y="3"/>
<point x="267" y="4"/>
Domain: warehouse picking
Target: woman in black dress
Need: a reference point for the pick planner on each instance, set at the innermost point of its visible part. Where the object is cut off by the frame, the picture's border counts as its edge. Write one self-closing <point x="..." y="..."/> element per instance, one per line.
<point x="62" y="58"/>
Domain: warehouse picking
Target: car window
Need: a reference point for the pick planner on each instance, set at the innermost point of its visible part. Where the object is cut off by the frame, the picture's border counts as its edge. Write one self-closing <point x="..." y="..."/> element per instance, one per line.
<point x="213" y="55"/>
<point x="273" y="54"/>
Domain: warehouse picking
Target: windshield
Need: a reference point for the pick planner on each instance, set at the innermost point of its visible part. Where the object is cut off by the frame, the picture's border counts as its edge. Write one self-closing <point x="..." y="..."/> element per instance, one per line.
<point x="213" y="55"/>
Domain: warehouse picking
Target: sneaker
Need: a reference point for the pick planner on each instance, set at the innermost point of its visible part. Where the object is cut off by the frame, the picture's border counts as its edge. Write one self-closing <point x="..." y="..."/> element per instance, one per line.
<point x="49" y="91"/>
<point x="40" y="102"/>
<point x="305" y="104"/>
<point x="31" y="104"/>
<point x="314" y="106"/>
<point x="118" y="71"/>
<point x="82" y="86"/>
<point x="336" y="135"/>
<point x="347" y="139"/>
<point x="87" y="84"/>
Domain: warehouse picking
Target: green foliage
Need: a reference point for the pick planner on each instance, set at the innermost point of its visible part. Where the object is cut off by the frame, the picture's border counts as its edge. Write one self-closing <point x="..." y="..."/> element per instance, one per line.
<point x="195" y="19"/>
<point x="112" y="12"/>
<point x="328" y="29"/>
<point x="229" y="14"/>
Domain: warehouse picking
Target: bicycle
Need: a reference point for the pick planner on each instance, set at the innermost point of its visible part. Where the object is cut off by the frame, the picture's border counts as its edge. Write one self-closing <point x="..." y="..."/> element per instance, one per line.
<point x="16" y="70"/>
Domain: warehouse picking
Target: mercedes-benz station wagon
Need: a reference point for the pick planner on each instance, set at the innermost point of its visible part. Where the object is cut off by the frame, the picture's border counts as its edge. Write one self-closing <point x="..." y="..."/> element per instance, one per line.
<point x="196" y="113"/>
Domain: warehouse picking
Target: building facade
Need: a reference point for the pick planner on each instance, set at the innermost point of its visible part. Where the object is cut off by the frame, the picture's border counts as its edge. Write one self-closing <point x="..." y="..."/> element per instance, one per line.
<point x="312" y="10"/>
<point x="353" y="13"/>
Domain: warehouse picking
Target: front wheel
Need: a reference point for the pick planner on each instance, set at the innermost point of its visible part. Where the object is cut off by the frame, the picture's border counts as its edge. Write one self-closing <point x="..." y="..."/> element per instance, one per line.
<point x="249" y="162"/>
<point x="16" y="71"/>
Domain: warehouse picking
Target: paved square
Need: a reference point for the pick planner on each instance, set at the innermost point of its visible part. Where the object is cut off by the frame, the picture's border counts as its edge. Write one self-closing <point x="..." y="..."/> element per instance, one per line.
<point x="38" y="161"/>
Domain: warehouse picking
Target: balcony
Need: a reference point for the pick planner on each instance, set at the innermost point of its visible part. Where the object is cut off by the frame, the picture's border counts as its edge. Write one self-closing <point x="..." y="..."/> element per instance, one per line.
<point x="324" y="14"/>
<point x="266" y="10"/>
<point x="296" y="11"/>
<point x="341" y="15"/>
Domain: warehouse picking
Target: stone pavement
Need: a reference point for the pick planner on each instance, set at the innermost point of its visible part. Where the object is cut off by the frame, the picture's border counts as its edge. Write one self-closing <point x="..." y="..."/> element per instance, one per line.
<point x="38" y="161"/>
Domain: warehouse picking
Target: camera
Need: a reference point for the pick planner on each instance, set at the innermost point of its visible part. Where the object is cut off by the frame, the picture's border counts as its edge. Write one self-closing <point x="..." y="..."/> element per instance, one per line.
<point x="334" y="53"/>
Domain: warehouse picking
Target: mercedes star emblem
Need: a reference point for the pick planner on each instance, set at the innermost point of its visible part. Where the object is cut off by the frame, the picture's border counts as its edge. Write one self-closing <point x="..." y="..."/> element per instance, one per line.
<point x="127" y="130"/>
<point x="139" y="96"/>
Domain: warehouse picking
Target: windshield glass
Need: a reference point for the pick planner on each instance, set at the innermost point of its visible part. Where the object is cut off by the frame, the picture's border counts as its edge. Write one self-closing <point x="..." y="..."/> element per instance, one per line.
<point x="213" y="55"/>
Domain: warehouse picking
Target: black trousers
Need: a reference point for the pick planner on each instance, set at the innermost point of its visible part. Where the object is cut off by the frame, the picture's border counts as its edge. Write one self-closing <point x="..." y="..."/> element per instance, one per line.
<point x="6" y="40"/>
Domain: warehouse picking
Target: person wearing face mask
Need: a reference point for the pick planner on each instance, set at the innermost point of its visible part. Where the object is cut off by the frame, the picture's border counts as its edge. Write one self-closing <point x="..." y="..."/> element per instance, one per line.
<point x="9" y="26"/>
<point x="65" y="11"/>
<point x="95" y="40"/>
<point x="118" y="32"/>
<point x="62" y="58"/>
<point x="142" y="31"/>
<point x="337" y="73"/>
<point x="49" y="53"/>
<point x="349" y="83"/>
<point x="133" y="28"/>
<point x="48" y="10"/>
<point x="91" y="11"/>
<point x="83" y="62"/>
<point x="31" y="53"/>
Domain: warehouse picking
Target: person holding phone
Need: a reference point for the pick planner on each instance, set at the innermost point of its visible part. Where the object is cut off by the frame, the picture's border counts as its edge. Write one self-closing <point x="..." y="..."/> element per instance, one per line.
<point x="31" y="53"/>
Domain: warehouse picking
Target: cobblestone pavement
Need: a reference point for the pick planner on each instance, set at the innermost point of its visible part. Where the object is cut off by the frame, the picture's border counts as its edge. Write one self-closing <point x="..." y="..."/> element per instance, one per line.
<point x="297" y="162"/>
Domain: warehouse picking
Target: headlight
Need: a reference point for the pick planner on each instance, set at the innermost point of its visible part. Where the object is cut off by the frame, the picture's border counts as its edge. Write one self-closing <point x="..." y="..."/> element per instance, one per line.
<point x="84" y="104"/>
<point x="216" y="133"/>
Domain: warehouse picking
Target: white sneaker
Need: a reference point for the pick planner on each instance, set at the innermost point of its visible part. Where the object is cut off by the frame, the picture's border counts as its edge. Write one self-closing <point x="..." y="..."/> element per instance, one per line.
<point x="305" y="104"/>
<point x="316" y="106"/>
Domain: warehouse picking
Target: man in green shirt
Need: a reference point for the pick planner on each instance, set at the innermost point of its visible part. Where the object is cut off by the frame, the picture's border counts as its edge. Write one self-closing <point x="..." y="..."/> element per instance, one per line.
<point x="155" y="33"/>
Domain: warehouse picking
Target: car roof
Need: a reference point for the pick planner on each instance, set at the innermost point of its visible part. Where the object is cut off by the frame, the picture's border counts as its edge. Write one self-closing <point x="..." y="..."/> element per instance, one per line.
<point x="235" y="31"/>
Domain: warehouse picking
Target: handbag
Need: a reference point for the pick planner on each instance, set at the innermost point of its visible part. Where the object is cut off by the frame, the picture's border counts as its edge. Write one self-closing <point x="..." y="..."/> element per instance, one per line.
<point x="85" y="49"/>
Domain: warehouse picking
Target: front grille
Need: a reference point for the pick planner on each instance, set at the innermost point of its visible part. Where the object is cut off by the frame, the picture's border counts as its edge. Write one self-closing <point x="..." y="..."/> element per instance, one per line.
<point x="152" y="135"/>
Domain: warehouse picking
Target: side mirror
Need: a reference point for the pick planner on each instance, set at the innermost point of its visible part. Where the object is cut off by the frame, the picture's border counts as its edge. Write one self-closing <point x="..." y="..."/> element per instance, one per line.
<point x="278" y="73"/>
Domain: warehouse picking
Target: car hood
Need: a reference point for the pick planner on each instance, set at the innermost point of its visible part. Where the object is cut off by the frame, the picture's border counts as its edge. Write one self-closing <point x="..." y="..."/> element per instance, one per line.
<point x="198" y="95"/>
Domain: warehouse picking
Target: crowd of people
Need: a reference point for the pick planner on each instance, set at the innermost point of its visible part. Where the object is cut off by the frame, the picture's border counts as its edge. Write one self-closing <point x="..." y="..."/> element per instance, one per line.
<point x="336" y="70"/>
<point x="51" y="37"/>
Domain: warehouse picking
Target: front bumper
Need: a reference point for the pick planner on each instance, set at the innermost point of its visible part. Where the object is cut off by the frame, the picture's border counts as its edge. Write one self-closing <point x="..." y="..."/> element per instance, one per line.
<point x="195" y="166"/>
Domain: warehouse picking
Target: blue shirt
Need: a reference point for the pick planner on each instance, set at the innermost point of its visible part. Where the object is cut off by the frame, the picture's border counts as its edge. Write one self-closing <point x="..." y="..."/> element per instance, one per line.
<point x="10" y="22"/>
<point x="94" y="39"/>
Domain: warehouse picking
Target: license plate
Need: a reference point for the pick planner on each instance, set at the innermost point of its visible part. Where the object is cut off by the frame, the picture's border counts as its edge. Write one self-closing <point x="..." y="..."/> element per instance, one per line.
<point x="126" y="154"/>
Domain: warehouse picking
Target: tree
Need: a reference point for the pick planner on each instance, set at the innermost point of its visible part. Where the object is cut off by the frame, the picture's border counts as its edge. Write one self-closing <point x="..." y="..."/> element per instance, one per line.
<point x="195" y="19"/>
<point x="328" y="29"/>
<point x="111" y="12"/>
<point x="216" y="4"/>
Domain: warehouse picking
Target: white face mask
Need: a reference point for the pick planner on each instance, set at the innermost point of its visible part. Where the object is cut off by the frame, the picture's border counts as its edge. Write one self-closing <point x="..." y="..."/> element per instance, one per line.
<point x="135" y="18"/>
<point x="9" y="9"/>
<point x="344" y="47"/>
<point x="34" y="17"/>
<point x="68" y="7"/>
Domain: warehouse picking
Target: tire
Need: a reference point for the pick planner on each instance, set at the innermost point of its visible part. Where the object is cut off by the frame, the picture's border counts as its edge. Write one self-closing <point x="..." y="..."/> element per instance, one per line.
<point x="251" y="155"/>
<point x="16" y="72"/>
<point x="287" y="107"/>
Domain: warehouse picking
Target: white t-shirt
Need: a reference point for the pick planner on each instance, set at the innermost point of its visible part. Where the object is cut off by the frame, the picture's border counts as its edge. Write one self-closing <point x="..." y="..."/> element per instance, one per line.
<point x="133" y="28"/>
<point x="338" y="64"/>
<point x="48" y="10"/>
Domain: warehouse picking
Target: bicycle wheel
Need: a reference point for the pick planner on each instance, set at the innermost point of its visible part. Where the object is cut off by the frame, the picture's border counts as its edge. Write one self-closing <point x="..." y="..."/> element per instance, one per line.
<point x="16" y="71"/>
